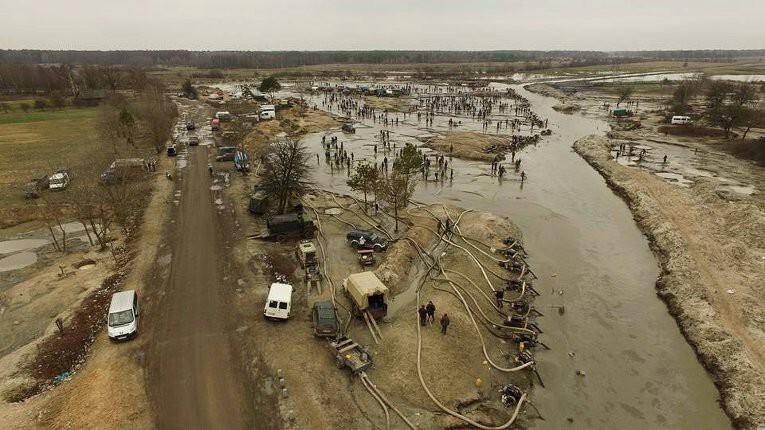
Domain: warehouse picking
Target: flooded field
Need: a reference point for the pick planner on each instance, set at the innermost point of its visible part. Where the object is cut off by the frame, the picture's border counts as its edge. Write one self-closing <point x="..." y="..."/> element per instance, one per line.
<point x="590" y="258"/>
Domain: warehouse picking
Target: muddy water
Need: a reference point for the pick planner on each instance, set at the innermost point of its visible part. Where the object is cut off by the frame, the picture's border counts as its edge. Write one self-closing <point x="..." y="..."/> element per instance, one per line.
<point x="591" y="258"/>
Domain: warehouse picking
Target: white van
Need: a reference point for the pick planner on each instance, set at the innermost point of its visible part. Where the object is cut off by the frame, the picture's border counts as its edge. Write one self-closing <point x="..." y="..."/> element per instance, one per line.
<point x="223" y="115"/>
<point x="267" y="112"/>
<point x="279" y="301"/>
<point x="680" y="119"/>
<point x="123" y="315"/>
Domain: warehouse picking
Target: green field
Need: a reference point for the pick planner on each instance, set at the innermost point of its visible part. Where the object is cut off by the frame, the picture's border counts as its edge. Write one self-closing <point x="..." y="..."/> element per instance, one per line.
<point x="35" y="143"/>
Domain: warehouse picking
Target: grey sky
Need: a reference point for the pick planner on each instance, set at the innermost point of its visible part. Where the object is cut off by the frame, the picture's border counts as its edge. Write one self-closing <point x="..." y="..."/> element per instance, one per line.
<point x="388" y="24"/>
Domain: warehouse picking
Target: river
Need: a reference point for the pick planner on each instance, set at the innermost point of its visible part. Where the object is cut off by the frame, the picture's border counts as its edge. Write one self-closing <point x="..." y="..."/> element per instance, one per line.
<point x="590" y="257"/>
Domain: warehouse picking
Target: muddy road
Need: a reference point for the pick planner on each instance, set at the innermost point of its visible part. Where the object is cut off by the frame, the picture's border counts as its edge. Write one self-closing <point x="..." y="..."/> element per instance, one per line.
<point x="592" y="259"/>
<point x="194" y="377"/>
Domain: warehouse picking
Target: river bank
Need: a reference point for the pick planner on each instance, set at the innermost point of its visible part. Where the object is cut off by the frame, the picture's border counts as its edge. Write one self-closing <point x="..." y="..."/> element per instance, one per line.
<point x="712" y="259"/>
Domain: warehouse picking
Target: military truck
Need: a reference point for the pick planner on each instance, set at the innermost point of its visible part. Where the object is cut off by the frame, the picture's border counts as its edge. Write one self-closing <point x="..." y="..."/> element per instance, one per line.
<point x="290" y="225"/>
<point x="258" y="202"/>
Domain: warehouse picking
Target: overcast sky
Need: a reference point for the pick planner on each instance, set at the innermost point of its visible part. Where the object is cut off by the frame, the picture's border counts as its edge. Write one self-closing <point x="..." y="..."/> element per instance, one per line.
<point x="382" y="24"/>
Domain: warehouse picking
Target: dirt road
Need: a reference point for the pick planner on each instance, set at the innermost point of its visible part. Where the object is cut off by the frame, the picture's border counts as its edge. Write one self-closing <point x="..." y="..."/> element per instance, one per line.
<point x="195" y="378"/>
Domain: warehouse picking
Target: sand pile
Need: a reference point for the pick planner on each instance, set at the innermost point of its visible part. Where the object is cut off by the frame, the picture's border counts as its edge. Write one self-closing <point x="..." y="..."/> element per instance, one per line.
<point x="469" y="145"/>
<point x="568" y="108"/>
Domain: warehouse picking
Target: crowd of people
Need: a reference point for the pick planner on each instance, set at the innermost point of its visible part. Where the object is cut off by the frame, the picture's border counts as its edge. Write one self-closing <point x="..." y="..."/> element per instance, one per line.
<point x="499" y="111"/>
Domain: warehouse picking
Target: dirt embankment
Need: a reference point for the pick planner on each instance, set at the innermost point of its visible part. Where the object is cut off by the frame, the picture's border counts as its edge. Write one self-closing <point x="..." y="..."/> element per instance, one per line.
<point x="469" y="145"/>
<point x="712" y="254"/>
<point x="547" y="90"/>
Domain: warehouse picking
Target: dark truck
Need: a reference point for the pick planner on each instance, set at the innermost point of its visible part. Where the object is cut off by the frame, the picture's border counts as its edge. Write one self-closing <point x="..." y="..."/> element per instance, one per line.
<point x="294" y="225"/>
<point x="36" y="186"/>
<point x="258" y="202"/>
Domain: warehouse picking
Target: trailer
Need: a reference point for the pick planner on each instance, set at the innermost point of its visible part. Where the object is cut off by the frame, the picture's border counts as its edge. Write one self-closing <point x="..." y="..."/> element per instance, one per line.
<point x="367" y="293"/>
<point x="350" y="354"/>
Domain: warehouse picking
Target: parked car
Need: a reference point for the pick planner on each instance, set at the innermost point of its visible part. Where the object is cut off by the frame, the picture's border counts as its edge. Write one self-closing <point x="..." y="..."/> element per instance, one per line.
<point x="193" y="141"/>
<point x="123" y="315"/>
<point x="324" y="316"/>
<point x="366" y="240"/>
<point x="190" y="125"/>
<point x="171" y="152"/>
<point x="59" y="180"/>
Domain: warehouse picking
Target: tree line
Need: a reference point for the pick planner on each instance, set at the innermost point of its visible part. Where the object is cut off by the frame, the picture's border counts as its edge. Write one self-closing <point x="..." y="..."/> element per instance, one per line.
<point x="279" y="59"/>
<point x="21" y="79"/>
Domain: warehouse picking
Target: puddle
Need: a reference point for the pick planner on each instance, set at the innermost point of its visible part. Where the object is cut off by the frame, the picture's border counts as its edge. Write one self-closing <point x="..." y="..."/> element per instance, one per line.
<point x="11" y="246"/>
<point x="740" y="189"/>
<point x="674" y="178"/>
<point x="699" y="172"/>
<point x="17" y="261"/>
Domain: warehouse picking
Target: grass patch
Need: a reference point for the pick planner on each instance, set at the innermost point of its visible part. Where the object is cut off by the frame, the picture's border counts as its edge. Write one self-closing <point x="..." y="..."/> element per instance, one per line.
<point x="20" y="117"/>
<point x="35" y="143"/>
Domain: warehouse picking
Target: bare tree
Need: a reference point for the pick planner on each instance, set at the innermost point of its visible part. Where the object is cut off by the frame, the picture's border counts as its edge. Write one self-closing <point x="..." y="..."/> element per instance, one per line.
<point x="623" y="94"/>
<point x="728" y="104"/>
<point x="286" y="172"/>
<point x="753" y="117"/>
<point x="111" y="76"/>
<point x="156" y="114"/>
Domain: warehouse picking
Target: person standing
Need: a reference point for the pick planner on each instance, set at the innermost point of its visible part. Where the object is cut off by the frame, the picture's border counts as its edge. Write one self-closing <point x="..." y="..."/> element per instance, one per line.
<point x="500" y="295"/>
<point x="431" y="308"/>
<point x="423" y="314"/>
<point x="444" y="323"/>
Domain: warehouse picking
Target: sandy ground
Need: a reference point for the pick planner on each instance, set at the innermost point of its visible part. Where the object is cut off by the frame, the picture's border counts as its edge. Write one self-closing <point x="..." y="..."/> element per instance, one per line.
<point x="390" y="104"/>
<point x="469" y="145"/>
<point x="328" y="397"/>
<point x="712" y="252"/>
<point x="112" y="371"/>
<point x="548" y="90"/>
<point x="293" y="121"/>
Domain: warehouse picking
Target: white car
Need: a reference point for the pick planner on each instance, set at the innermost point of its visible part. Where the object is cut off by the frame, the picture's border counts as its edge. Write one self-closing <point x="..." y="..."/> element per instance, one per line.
<point x="58" y="181"/>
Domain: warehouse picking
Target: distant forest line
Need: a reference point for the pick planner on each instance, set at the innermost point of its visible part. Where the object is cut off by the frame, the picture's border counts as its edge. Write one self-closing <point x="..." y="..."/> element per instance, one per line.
<point x="284" y="59"/>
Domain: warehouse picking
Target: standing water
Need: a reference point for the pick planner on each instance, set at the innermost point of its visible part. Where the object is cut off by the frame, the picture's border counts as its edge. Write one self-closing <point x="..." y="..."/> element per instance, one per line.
<point x="637" y="371"/>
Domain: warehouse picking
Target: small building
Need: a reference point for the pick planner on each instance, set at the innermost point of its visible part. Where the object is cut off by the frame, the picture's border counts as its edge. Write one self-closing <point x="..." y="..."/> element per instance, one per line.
<point x="621" y="112"/>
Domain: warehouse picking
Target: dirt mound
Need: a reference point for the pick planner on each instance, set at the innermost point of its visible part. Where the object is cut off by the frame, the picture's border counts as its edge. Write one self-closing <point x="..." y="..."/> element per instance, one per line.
<point x="293" y="121"/>
<point x="391" y="104"/>
<point x="469" y="145"/>
<point x="712" y="253"/>
<point x="690" y="131"/>
<point x="567" y="107"/>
